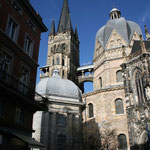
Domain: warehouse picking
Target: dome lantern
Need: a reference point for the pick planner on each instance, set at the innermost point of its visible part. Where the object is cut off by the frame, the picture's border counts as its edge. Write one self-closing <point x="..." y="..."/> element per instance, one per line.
<point x="115" y="13"/>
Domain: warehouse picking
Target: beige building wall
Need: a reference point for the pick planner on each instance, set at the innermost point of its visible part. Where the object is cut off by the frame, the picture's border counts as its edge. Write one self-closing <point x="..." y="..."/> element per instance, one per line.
<point x="107" y="89"/>
<point x="104" y="109"/>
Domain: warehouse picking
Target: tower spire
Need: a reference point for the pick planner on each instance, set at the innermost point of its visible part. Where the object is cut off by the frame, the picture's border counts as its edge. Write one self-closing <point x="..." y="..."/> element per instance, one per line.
<point x="146" y="33"/>
<point x="52" y="30"/>
<point x="69" y="25"/>
<point x="64" y="18"/>
<point x="76" y="33"/>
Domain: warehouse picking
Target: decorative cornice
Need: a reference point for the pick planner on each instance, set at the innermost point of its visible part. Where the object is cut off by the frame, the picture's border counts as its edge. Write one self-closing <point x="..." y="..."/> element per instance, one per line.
<point x="120" y="87"/>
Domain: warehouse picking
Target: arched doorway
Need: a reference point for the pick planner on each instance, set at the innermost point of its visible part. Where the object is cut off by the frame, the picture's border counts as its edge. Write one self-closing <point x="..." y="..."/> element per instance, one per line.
<point x="144" y="141"/>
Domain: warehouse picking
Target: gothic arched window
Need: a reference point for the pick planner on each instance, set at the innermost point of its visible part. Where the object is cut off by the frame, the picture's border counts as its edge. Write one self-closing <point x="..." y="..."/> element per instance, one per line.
<point x="57" y="60"/>
<point x="91" y="110"/>
<point x="139" y="86"/>
<point x="112" y="44"/>
<point x="119" y="43"/>
<point x="119" y="106"/>
<point x="122" y="142"/>
<point x="119" y="76"/>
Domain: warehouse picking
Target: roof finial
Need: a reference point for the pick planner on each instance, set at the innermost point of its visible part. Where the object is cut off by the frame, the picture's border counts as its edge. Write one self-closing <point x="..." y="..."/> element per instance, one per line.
<point x="56" y="73"/>
<point x="124" y="55"/>
<point x="142" y="44"/>
<point x="146" y="33"/>
<point x="52" y="30"/>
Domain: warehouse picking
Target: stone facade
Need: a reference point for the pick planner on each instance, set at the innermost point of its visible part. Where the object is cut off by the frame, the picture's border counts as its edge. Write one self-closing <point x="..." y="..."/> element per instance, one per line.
<point x="60" y="126"/>
<point x="111" y="48"/>
<point x="114" y="98"/>
<point x="137" y="80"/>
<point x="63" y="48"/>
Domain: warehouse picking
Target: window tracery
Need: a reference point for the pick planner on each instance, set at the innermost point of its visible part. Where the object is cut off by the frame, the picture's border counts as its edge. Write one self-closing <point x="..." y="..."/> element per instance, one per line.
<point x="139" y="87"/>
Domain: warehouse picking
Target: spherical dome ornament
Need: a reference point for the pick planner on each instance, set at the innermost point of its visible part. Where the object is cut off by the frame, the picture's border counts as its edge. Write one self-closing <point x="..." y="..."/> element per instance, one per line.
<point x="56" y="86"/>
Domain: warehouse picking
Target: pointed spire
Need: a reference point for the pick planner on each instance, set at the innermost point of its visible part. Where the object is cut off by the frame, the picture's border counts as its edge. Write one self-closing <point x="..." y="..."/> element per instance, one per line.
<point x="76" y="33"/>
<point x="124" y="55"/>
<point x="64" y="17"/>
<point x="146" y="33"/>
<point x="142" y="44"/>
<point x="52" y="30"/>
<point x="69" y="25"/>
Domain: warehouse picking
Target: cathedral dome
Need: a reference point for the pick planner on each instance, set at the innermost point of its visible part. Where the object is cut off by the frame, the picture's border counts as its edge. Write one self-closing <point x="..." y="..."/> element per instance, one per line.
<point x="125" y="28"/>
<point x="56" y="86"/>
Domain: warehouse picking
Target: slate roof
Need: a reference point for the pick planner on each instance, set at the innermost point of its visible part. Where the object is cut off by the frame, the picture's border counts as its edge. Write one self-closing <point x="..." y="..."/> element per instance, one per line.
<point x="137" y="46"/>
<point x="125" y="28"/>
<point x="65" y="20"/>
<point x="52" y="30"/>
<point x="56" y="86"/>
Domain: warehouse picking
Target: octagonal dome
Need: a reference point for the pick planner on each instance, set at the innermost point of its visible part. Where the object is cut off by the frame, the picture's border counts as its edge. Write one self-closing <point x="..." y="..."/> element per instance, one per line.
<point x="56" y="86"/>
<point x="125" y="28"/>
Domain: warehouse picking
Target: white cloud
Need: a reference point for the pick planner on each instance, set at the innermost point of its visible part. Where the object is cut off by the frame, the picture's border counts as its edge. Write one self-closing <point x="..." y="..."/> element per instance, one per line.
<point x="145" y="16"/>
<point x="86" y="63"/>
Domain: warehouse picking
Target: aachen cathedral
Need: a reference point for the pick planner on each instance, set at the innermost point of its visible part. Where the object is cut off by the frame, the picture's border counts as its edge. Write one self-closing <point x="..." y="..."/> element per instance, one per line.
<point x="121" y="85"/>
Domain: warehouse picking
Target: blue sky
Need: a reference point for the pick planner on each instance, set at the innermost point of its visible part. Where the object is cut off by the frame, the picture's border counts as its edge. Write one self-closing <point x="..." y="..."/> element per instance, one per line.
<point x="89" y="16"/>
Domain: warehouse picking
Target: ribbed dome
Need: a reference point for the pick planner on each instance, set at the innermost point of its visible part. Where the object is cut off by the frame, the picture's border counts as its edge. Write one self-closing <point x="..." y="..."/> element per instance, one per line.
<point x="56" y="86"/>
<point x="125" y="28"/>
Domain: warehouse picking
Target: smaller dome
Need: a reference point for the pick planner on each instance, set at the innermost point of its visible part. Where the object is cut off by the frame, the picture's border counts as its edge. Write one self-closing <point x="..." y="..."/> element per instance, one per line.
<point x="114" y="9"/>
<point x="115" y="13"/>
<point x="56" y="86"/>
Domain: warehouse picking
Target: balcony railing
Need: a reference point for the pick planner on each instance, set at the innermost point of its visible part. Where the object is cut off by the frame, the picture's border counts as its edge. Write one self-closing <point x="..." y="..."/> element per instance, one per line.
<point x="10" y="82"/>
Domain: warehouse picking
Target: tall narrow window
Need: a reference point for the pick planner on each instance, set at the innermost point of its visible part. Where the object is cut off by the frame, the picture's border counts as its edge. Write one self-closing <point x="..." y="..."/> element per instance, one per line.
<point x="63" y="73"/>
<point x="53" y="62"/>
<point x="91" y="111"/>
<point x="2" y="108"/>
<point x="122" y="142"/>
<point x="5" y="61"/>
<point x="101" y="82"/>
<point x="24" y="80"/>
<point x="12" y="29"/>
<point x="61" y="142"/>
<point x="119" y="76"/>
<point x="61" y="120"/>
<point x="119" y="106"/>
<point x="63" y="61"/>
<point x="28" y="45"/>
<point x="57" y="60"/>
<point x="19" y="115"/>
<point x="139" y="87"/>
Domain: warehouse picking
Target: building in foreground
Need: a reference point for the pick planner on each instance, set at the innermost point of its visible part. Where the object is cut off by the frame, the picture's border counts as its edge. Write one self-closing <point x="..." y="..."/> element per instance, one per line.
<point x="59" y="128"/>
<point x="20" y="31"/>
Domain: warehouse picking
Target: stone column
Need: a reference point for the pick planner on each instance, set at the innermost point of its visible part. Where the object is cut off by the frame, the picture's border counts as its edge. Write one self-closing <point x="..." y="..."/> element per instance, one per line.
<point x="52" y="132"/>
<point x="69" y="143"/>
<point x="76" y="132"/>
<point x="44" y="127"/>
<point x="37" y="118"/>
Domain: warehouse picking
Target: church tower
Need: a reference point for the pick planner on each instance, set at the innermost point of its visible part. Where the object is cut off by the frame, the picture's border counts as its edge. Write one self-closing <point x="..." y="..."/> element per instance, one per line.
<point x="63" y="47"/>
